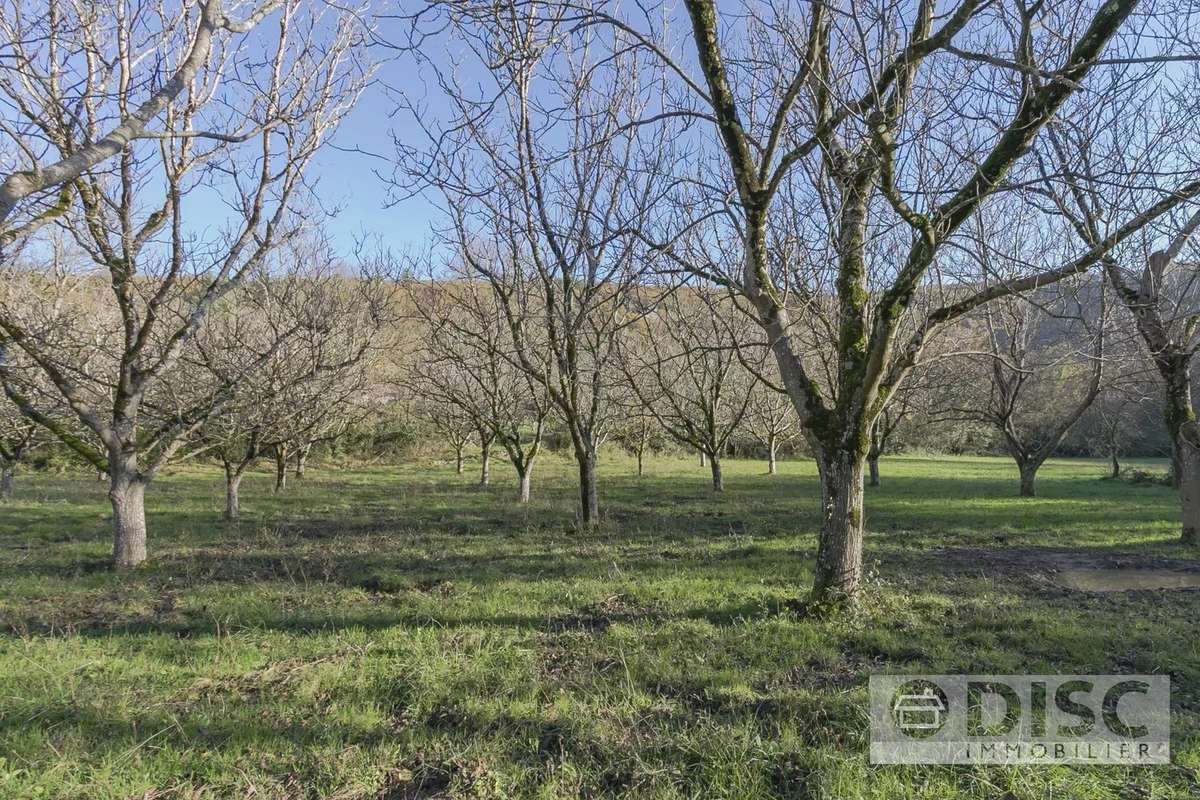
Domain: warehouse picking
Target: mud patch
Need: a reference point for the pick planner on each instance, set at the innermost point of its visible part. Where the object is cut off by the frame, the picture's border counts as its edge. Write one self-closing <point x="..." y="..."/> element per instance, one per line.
<point x="1126" y="580"/>
<point x="1062" y="571"/>
<point x="1035" y="562"/>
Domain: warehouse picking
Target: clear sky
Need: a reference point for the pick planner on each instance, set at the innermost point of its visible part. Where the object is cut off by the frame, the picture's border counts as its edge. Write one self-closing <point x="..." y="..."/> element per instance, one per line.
<point x="348" y="182"/>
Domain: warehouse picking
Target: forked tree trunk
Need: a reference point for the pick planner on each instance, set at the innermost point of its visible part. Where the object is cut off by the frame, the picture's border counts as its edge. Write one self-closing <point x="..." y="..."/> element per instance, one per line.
<point x="280" y="469"/>
<point x="718" y="479"/>
<point x="589" y="496"/>
<point x="6" y="483"/>
<point x="485" y="463"/>
<point x="127" y="493"/>
<point x="523" y="476"/>
<point x="873" y="469"/>
<point x="772" y="448"/>
<point x="838" y="572"/>
<point x="233" y="508"/>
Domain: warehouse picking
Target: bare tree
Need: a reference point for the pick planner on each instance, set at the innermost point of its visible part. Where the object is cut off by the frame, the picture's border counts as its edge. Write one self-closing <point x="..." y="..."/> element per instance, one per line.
<point x="1098" y="166"/>
<point x="887" y="424"/>
<point x="1038" y="384"/>
<point x="21" y="437"/>
<point x="683" y="363"/>
<point x="470" y="367"/>
<point x="293" y="345"/>
<point x="18" y="437"/>
<point x="639" y="432"/>
<point x="323" y="409"/>
<point x="73" y="75"/>
<point x="245" y="124"/>
<point x="455" y="426"/>
<point x="545" y="186"/>
<point x="884" y="130"/>
<point x="770" y="417"/>
<point x="1119" y="418"/>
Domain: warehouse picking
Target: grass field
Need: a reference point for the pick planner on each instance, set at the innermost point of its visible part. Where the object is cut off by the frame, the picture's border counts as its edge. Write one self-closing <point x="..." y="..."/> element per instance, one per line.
<point x="398" y="632"/>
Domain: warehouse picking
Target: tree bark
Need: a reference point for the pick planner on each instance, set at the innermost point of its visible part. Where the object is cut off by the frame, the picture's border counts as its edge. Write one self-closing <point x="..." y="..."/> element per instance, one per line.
<point x="1178" y="415"/>
<point x="6" y="483"/>
<point x="1028" y="471"/>
<point x="718" y="479"/>
<point x="838" y="572"/>
<point x="280" y="469"/>
<point x="640" y="469"/>
<point x="1189" y="492"/>
<point x="233" y="506"/>
<point x="301" y="461"/>
<point x="127" y="493"/>
<point x="523" y="477"/>
<point x="485" y="463"/>
<point x="1180" y="418"/>
<point x="589" y="496"/>
<point x="1116" y="463"/>
<point x="875" y="450"/>
<point x="458" y="459"/>
<point x="702" y="458"/>
<point x="1176" y="461"/>
<point x="772" y="447"/>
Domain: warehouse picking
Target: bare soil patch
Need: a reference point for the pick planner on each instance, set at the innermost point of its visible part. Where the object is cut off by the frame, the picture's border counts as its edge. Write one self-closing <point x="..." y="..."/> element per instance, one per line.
<point x="1073" y="569"/>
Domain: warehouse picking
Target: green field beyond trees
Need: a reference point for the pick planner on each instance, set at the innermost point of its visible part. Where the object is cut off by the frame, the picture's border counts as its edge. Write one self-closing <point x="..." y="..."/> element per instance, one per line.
<point x="403" y="633"/>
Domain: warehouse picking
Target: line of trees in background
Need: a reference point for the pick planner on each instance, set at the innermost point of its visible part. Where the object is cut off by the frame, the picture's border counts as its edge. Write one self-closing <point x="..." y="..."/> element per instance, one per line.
<point x="971" y="227"/>
<point x="351" y="365"/>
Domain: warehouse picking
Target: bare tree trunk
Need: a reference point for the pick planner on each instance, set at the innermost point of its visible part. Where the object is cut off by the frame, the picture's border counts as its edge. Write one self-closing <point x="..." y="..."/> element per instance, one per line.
<point x="702" y="458"/>
<point x="1116" y="463"/>
<point x="589" y="497"/>
<point x="523" y="476"/>
<point x="6" y="483"/>
<point x="302" y="461"/>
<point x="718" y="479"/>
<point x="1176" y="462"/>
<point x="1180" y="419"/>
<point x="280" y="469"/>
<point x="100" y="476"/>
<point x="874" y="451"/>
<point x="233" y="507"/>
<point x="127" y="493"/>
<point x="838" y="572"/>
<point x="1028" y="469"/>
<point x="458" y="459"/>
<point x="1189" y="492"/>
<point x="772" y="447"/>
<point x="640" y="469"/>
<point x="485" y="462"/>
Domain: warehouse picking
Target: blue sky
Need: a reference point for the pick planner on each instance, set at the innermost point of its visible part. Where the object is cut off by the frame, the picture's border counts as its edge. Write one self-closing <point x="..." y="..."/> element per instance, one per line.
<point x="347" y="179"/>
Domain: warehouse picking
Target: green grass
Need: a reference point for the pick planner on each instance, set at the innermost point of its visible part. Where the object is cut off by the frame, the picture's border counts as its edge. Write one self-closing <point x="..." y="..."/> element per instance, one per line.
<point x="397" y="632"/>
